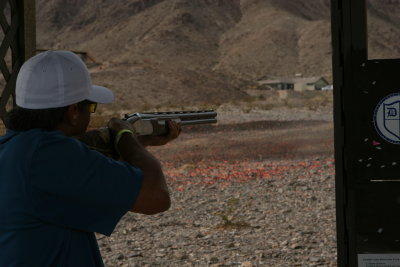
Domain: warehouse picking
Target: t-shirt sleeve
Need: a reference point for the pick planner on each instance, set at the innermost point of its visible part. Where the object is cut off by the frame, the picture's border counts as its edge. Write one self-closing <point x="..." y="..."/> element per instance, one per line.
<point x="75" y="187"/>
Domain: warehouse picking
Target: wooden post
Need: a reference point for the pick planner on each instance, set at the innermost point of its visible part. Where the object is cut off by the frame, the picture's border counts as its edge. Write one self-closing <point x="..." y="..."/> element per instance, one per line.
<point x="19" y="37"/>
<point x="29" y="29"/>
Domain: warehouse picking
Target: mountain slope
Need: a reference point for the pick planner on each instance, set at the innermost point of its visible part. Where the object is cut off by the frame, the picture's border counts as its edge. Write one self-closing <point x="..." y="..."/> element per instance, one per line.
<point x="189" y="52"/>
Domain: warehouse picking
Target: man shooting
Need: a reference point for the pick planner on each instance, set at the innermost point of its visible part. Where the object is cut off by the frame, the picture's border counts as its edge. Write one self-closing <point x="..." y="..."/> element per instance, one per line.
<point x="55" y="192"/>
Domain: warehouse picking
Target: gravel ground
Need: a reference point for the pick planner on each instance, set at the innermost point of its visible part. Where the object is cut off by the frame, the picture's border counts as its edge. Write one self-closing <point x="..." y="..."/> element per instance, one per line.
<point x="285" y="218"/>
<point x="239" y="208"/>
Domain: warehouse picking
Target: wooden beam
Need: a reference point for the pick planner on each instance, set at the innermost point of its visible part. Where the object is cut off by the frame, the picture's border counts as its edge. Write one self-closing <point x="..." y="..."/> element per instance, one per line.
<point x="29" y="29"/>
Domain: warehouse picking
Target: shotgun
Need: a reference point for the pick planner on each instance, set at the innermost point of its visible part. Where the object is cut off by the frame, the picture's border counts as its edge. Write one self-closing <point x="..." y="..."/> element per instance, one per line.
<point x="151" y="123"/>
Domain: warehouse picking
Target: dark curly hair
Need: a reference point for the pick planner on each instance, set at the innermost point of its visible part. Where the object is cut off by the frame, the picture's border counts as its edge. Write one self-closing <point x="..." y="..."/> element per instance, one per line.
<point x="22" y="119"/>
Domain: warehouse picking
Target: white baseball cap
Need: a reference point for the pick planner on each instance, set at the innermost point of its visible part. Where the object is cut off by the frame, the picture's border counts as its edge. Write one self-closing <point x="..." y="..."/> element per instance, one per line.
<point x="55" y="79"/>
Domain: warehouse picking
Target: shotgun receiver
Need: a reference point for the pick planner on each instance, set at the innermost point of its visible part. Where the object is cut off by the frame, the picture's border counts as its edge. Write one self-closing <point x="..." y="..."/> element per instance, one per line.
<point x="153" y="123"/>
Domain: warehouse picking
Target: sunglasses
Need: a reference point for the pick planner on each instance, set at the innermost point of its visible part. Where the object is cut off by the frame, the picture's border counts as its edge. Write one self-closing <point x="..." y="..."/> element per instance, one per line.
<point x="92" y="107"/>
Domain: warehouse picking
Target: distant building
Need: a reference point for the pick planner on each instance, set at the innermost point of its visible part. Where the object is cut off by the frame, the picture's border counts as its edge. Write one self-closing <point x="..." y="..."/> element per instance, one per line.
<point x="312" y="83"/>
<point x="278" y="84"/>
<point x="296" y="84"/>
<point x="327" y="88"/>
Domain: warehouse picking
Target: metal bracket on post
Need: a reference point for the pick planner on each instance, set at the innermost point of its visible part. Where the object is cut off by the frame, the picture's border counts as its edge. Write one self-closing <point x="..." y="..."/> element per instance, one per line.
<point x="17" y="21"/>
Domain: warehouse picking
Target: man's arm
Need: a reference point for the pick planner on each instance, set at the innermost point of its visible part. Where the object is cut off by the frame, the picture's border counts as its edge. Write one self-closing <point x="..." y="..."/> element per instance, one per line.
<point x="154" y="195"/>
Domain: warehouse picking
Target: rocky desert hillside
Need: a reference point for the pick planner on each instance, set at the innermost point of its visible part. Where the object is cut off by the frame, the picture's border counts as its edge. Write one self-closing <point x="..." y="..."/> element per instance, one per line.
<point x="157" y="53"/>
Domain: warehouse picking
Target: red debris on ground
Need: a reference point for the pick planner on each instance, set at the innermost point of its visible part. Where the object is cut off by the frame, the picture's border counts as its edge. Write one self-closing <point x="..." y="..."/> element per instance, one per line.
<point x="224" y="173"/>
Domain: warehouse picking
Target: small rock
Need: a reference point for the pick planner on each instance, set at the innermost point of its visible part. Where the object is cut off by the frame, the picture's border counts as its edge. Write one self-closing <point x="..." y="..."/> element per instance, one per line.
<point x="314" y="259"/>
<point x="295" y="246"/>
<point x="132" y="255"/>
<point x="213" y="260"/>
<point x="199" y="235"/>
<point x="230" y="245"/>
<point x="180" y="255"/>
<point x="160" y="254"/>
<point x="246" y="264"/>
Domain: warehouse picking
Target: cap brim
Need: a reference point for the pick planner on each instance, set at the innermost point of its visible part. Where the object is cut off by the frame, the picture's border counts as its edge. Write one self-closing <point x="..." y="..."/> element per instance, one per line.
<point x="101" y="95"/>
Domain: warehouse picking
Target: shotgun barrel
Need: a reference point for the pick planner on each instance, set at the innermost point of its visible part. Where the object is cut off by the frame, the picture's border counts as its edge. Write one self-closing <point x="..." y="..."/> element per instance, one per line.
<point x="154" y="123"/>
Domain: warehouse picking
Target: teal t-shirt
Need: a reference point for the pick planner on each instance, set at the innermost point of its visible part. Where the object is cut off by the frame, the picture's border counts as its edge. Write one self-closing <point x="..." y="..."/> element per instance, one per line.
<point x="55" y="193"/>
